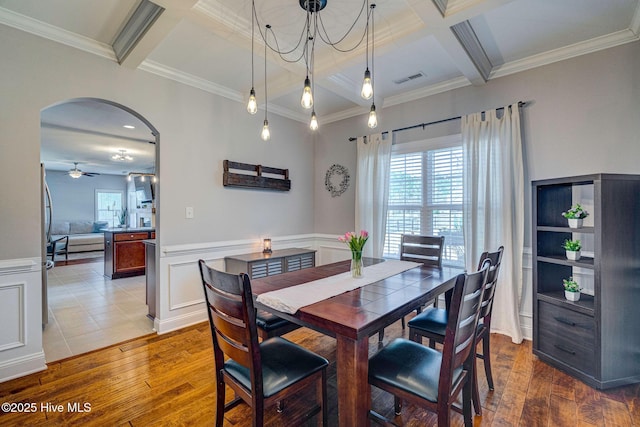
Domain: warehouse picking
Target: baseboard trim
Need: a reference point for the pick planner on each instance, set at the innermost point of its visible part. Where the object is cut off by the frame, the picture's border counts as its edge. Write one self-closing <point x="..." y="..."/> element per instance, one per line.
<point x="178" y="322"/>
<point x="22" y="366"/>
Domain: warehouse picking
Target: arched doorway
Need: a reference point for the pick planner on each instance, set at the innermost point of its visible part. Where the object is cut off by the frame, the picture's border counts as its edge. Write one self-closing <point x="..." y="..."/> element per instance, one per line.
<point x="90" y="148"/>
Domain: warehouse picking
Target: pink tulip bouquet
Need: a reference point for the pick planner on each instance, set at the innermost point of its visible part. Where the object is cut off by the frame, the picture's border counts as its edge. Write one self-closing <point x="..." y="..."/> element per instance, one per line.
<point x="356" y="243"/>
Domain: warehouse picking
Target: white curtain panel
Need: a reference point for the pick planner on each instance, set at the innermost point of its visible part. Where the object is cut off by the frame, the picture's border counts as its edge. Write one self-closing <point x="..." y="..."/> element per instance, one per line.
<point x="372" y="190"/>
<point x="494" y="206"/>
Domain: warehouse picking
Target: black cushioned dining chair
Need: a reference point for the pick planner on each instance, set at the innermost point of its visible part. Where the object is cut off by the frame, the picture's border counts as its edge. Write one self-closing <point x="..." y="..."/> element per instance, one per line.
<point x="426" y="377"/>
<point x="423" y="249"/>
<point x="260" y="374"/>
<point x="432" y="323"/>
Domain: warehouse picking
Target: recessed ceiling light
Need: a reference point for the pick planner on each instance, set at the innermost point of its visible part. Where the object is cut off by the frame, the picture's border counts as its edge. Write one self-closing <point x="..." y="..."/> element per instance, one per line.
<point x="129" y="127"/>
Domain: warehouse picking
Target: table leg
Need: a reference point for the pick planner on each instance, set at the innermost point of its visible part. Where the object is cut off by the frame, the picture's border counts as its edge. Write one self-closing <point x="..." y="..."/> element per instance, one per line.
<point x="352" y="364"/>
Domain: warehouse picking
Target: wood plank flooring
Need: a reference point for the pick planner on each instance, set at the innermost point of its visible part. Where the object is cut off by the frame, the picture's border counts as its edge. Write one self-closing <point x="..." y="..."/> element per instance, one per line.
<point x="169" y="380"/>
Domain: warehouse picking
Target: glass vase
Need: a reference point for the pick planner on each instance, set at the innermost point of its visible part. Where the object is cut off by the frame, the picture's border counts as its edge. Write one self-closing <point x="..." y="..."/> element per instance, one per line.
<point x="356" y="264"/>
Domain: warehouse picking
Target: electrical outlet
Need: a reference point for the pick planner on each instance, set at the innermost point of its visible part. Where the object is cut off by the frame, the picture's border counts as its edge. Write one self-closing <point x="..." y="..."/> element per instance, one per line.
<point x="188" y="212"/>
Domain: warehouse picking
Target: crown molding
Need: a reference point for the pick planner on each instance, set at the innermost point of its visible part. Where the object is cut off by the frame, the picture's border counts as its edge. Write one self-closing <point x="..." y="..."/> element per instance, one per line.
<point x="412" y="95"/>
<point x="47" y="31"/>
<point x="213" y="9"/>
<point x="347" y="114"/>
<point x="556" y="55"/>
<point x="190" y="80"/>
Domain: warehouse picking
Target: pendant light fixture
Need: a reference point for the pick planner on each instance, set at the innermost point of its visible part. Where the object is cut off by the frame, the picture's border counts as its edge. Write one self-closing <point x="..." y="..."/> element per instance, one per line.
<point x="266" y="134"/>
<point x="252" y="106"/>
<point x="367" y="89"/>
<point x="313" y="124"/>
<point x="373" y="118"/>
<point x="307" y="97"/>
<point x="304" y="49"/>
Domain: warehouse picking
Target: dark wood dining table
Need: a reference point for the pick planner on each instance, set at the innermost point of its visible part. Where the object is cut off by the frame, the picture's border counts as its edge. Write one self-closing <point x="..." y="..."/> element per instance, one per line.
<point x="353" y="316"/>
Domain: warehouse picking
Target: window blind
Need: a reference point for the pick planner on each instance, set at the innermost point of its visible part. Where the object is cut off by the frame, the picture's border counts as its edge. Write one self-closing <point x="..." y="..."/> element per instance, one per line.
<point x="425" y="197"/>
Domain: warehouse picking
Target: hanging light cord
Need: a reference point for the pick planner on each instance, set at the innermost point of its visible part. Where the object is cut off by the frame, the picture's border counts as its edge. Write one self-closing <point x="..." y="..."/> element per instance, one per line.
<point x="324" y="36"/>
<point x="253" y="12"/>
<point x="373" y="28"/>
<point x="265" y="76"/>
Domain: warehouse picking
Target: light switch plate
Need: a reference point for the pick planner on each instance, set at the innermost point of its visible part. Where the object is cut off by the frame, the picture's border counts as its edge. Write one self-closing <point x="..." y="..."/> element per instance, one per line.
<point x="188" y="212"/>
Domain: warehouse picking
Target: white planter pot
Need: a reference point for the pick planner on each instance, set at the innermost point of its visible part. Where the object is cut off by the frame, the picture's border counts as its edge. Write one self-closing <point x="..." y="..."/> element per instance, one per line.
<point x="575" y="222"/>
<point x="572" y="296"/>
<point x="573" y="255"/>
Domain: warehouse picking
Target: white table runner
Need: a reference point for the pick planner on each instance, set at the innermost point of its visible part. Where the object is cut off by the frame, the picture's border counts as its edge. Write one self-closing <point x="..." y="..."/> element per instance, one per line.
<point x="290" y="300"/>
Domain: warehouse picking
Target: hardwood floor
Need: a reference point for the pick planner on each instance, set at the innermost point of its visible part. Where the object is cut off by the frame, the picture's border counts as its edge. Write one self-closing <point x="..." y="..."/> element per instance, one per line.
<point x="169" y="380"/>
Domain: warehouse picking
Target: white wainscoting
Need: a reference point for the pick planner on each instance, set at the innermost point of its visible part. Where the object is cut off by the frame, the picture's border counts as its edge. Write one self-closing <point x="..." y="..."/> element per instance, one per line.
<point x="181" y="282"/>
<point x="182" y="302"/>
<point x="20" y="318"/>
<point x="12" y="315"/>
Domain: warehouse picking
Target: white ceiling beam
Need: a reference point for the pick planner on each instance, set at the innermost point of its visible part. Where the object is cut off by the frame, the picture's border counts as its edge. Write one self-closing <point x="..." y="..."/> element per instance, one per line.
<point x="440" y="27"/>
<point x="175" y="11"/>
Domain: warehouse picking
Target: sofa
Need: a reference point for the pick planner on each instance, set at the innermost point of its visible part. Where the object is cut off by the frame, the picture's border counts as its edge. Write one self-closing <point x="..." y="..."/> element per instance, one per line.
<point x="83" y="235"/>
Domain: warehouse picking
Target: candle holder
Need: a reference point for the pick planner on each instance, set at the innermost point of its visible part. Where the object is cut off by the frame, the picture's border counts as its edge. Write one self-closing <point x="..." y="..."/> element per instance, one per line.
<point x="266" y="244"/>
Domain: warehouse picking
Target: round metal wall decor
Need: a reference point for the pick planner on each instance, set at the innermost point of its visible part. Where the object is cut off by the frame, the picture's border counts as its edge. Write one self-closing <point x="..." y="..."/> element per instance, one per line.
<point x="330" y="181"/>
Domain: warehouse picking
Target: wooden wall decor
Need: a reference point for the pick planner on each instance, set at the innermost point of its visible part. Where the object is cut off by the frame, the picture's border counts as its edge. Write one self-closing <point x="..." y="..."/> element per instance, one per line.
<point x="243" y="180"/>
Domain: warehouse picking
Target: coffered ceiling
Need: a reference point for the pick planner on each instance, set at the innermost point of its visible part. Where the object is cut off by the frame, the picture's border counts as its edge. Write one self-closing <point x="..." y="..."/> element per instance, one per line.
<point x="422" y="47"/>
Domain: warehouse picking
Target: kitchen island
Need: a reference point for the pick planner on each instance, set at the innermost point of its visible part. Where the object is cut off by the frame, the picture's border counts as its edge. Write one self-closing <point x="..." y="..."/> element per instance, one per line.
<point x="124" y="251"/>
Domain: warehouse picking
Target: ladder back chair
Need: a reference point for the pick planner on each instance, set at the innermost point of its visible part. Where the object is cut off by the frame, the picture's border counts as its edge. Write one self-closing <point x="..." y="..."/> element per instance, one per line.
<point x="260" y="374"/>
<point x="426" y="377"/>
<point x="432" y="323"/>
<point x="423" y="249"/>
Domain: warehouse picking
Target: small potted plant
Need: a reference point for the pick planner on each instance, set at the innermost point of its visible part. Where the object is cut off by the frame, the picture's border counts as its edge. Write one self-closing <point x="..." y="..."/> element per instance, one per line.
<point x="572" y="248"/>
<point x="575" y="215"/>
<point x="571" y="289"/>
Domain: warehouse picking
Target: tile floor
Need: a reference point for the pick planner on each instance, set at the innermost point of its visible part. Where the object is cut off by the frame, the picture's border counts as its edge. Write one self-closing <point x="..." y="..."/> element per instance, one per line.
<point x="88" y="311"/>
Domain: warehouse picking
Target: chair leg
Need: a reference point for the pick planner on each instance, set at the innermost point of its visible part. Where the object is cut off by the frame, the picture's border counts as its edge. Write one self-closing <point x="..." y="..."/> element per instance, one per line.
<point x="403" y="324"/>
<point x="323" y="397"/>
<point x="474" y="392"/>
<point x="397" y="405"/>
<point x="220" y="402"/>
<point x="486" y="358"/>
<point x="443" y="415"/>
<point x="466" y="403"/>
<point x="380" y="335"/>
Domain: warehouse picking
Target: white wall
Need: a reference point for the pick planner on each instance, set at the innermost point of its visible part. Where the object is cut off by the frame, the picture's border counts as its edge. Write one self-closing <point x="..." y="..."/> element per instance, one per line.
<point x="583" y="117"/>
<point x="74" y="199"/>
<point x="198" y="130"/>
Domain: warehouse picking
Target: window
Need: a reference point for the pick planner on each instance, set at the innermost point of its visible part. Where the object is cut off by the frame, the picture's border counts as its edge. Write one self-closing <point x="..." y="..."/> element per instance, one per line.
<point x="109" y="206"/>
<point x="425" y="195"/>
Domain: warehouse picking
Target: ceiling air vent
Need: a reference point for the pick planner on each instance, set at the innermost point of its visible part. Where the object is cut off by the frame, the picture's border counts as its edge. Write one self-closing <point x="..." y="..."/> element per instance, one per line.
<point x="417" y="75"/>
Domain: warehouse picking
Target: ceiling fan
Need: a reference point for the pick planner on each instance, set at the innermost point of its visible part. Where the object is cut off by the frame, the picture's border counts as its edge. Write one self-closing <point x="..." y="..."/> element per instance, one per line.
<point x="77" y="173"/>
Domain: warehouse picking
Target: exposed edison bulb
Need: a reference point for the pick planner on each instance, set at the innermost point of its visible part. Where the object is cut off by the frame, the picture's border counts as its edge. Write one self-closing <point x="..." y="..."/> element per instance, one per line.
<point x="141" y="178"/>
<point x="252" y="106"/>
<point x="373" y="118"/>
<point x="314" y="121"/>
<point x="307" y="97"/>
<point x="129" y="178"/>
<point x="265" y="135"/>
<point x="367" y="88"/>
<point x="154" y="179"/>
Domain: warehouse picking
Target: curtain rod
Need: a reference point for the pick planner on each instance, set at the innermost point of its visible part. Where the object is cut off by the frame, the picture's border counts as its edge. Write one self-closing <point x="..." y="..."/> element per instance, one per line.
<point x="423" y="125"/>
